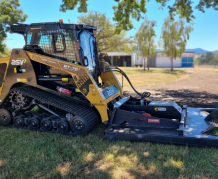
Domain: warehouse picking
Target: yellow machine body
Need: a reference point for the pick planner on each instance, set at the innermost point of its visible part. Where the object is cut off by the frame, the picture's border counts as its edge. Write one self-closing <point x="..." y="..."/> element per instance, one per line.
<point x="79" y="73"/>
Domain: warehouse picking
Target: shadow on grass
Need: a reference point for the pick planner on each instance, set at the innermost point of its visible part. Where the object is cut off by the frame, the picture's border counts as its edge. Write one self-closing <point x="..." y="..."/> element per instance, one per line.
<point x="183" y="97"/>
<point x="155" y="70"/>
<point x="43" y="155"/>
<point x="175" y="71"/>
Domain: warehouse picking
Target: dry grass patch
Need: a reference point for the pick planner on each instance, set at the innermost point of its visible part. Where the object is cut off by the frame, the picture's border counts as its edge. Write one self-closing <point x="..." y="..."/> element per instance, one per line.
<point x="157" y="76"/>
<point x="154" y="77"/>
<point x="64" y="169"/>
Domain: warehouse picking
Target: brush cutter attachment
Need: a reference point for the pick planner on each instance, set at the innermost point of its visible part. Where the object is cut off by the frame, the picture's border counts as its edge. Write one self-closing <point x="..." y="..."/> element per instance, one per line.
<point x="162" y="122"/>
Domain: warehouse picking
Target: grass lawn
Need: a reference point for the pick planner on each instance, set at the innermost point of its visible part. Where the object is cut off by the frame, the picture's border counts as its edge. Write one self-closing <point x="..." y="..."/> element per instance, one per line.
<point x="31" y="154"/>
<point x="154" y="76"/>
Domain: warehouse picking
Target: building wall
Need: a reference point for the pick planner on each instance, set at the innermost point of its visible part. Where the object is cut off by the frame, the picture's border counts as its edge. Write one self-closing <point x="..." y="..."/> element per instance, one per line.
<point x="120" y="58"/>
<point x="162" y="61"/>
<point x="159" y="60"/>
<point x="165" y="62"/>
<point x="139" y="60"/>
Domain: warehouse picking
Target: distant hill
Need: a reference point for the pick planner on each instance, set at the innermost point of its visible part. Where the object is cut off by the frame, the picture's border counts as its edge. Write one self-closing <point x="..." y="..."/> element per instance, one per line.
<point x="196" y="50"/>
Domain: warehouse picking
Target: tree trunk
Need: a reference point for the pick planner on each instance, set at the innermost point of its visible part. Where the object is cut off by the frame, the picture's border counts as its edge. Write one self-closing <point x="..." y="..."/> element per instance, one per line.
<point x="171" y="64"/>
<point x="144" y="64"/>
<point x="148" y="64"/>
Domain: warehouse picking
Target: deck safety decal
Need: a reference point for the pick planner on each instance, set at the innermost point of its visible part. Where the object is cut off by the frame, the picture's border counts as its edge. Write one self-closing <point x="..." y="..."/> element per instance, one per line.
<point x="160" y="109"/>
<point x="154" y="120"/>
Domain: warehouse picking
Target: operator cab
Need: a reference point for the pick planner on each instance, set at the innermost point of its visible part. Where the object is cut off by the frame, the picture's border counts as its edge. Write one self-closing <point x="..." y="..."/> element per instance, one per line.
<point x="68" y="42"/>
<point x="74" y="43"/>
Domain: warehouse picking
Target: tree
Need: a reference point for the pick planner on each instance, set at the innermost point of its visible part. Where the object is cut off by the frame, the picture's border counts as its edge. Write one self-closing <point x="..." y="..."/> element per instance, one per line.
<point x="210" y="58"/>
<point x="144" y="40"/>
<point x="216" y="59"/>
<point x="105" y="34"/>
<point x="127" y="9"/>
<point x="6" y="52"/>
<point x="174" y="37"/>
<point x="9" y="14"/>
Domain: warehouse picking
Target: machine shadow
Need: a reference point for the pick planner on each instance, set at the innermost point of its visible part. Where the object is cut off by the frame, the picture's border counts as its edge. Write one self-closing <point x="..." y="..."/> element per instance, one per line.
<point x="183" y="97"/>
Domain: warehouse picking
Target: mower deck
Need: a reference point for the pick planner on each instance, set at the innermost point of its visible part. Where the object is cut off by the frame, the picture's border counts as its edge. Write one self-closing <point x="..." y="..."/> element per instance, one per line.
<point x="192" y="129"/>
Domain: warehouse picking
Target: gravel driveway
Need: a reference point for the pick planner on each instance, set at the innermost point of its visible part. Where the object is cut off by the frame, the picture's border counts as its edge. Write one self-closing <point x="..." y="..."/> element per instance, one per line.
<point x="200" y="90"/>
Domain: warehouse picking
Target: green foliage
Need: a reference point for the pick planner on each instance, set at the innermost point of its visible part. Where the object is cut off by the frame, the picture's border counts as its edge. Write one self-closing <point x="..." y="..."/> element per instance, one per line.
<point x="105" y="34"/>
<point x="6" y="52"/>
<point x="127" y="9"/>
<point x="210" y="58"/>
<point x="174" y="38"/>
<point x="144" y="39"/>
<point x="9" y="14"/>
<point x="71" y="4"/>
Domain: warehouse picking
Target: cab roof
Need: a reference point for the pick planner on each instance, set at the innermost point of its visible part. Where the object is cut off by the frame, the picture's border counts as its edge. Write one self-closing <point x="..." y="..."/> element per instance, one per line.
<point x="36" y="27"/>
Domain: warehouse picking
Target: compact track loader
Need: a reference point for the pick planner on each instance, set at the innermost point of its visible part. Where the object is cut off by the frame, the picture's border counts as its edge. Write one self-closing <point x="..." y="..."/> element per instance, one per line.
<point x="60" y="70"/>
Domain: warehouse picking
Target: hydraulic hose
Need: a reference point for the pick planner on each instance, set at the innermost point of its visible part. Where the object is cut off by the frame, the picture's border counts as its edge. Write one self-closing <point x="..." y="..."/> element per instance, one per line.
<point x="143" y="95"/>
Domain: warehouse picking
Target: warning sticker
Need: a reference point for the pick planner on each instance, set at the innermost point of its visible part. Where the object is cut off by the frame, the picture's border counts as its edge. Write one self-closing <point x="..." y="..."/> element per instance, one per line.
<point x="160" y="109"/>
<point x="21" y="79"/>
<point x="154" y="120"/>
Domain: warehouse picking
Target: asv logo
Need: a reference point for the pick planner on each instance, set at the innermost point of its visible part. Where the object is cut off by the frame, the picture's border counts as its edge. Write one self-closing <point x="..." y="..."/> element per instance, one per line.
<point x="18" y="61"/>
<point x="110" y="92"/>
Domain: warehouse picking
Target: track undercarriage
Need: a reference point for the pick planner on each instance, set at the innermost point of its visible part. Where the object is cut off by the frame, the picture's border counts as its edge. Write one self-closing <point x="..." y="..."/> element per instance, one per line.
<point x="76" y="118"/>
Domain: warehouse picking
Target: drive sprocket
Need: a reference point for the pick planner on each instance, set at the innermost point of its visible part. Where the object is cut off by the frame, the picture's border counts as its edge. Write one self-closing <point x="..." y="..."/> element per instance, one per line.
<point x="18" y="100"/>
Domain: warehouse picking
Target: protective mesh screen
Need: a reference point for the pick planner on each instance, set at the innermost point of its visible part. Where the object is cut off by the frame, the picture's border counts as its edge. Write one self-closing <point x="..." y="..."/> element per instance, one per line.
<point x="51" y="43"/>
<point x="58" y="42"/>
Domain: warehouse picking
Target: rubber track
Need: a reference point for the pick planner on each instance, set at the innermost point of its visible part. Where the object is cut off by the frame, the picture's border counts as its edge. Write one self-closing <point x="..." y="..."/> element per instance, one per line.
<point x="63" y="103"/>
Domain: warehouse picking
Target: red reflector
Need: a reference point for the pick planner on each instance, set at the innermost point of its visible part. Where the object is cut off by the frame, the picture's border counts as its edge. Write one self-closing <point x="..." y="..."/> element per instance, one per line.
<point x="154" y="120"/>
<point x="146" y="114"/>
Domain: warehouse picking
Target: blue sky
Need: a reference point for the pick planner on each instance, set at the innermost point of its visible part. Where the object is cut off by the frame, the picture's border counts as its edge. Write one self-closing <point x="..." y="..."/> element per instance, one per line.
<point x="205" y="25"/>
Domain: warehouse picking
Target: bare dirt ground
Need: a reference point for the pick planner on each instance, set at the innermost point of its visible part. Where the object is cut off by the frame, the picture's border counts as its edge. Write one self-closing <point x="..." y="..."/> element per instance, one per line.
<point x="200" y="90"/>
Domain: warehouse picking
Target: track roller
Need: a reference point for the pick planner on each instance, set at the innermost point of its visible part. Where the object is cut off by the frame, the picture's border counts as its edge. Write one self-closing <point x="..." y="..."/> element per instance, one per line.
<point x="34" y="122"/>
<point x="21" y="118"/>
<point x="5" y="117"/>
<point x="19" y="121"/>
<point x="63" y="126"/>
<point x="46" y="123"/>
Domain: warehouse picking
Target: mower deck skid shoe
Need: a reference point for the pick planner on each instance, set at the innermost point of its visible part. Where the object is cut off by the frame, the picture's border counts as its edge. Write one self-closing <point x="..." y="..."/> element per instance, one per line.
<point x="191" y="128"/>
